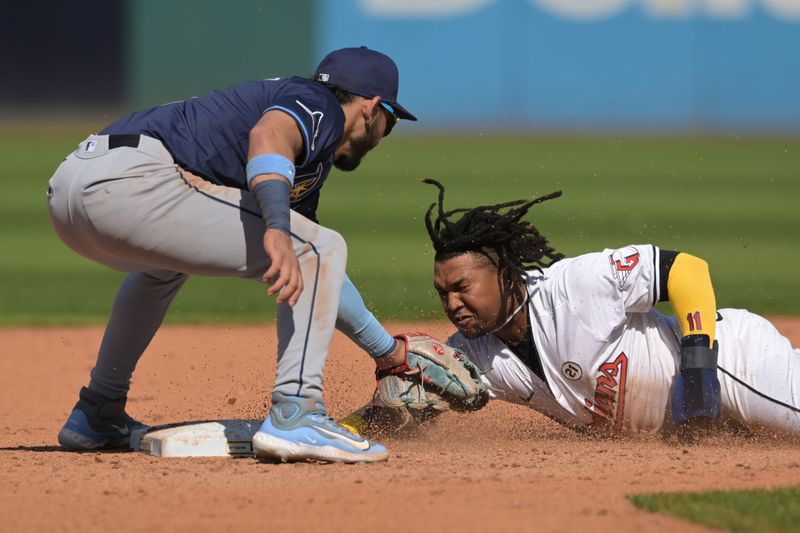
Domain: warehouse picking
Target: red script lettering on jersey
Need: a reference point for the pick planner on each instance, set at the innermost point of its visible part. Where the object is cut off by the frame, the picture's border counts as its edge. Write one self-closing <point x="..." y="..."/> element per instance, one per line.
<point x="609" y="394"/>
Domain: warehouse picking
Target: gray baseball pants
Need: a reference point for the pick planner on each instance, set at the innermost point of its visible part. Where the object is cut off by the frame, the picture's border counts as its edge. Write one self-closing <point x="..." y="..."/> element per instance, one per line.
<point x="135" y="210"/>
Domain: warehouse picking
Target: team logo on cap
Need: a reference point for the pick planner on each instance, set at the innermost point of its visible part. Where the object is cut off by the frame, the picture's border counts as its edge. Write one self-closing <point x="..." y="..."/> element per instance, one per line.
<point x="323" y="77"/>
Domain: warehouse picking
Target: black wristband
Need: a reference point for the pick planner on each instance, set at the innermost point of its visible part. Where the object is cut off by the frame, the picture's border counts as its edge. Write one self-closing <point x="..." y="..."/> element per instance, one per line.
<point x="695" y="352"/>
<point x="273" y="197"/>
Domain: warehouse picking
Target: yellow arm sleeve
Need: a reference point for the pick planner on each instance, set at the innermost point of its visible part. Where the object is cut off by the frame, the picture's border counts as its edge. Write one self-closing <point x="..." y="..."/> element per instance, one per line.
<point x="692" y="296"/>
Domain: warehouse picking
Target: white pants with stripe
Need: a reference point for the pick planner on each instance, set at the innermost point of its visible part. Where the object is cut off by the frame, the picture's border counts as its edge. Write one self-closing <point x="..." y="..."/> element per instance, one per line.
<point x="759" y="372"/>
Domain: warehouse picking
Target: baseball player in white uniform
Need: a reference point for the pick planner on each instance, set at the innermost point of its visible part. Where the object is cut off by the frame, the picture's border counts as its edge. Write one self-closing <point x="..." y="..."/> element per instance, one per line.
<point x="578" y="339"/>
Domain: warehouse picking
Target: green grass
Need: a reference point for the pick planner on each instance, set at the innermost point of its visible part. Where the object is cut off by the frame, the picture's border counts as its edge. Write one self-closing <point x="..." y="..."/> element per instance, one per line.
<point x="756" y="511"/>
<point x="731" y="201"/>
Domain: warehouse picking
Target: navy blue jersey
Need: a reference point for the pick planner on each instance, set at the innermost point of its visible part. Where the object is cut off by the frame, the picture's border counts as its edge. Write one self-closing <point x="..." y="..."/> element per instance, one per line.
<point x="209" y="135"/>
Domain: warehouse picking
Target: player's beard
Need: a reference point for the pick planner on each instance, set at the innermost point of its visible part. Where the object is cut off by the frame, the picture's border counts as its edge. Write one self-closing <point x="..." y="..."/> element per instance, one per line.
<point x="480" y="323"/>
<point x="358" y="149"/>
<point x="480" y="326"/>
<point x="475" y="329"/>
<point x="513" y="301"/>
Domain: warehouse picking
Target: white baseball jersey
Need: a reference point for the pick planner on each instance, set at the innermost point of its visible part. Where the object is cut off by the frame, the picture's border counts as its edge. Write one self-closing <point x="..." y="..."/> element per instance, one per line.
<point x="608" y="355"/>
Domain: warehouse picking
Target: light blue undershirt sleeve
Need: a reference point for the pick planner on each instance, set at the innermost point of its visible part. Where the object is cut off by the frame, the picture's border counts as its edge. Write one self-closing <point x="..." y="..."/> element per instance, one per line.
<point x="359" y="324"/>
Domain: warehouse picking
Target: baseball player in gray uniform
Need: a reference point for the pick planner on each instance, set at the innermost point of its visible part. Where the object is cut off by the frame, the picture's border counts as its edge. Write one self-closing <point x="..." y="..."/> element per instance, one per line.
<point x="578" y="338"/>
<point x="227" y="184"/>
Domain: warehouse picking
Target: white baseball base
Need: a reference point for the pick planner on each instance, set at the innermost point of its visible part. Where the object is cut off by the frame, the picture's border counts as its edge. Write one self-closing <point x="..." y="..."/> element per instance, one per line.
<point x="218" y="438"/>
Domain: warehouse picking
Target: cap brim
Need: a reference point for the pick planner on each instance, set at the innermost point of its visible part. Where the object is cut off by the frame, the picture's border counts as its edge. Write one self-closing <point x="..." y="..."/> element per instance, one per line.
<point x="401" y="111"/>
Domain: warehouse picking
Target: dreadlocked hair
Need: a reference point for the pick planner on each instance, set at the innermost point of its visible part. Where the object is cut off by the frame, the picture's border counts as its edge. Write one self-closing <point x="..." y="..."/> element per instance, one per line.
<point x="517" y="244"/>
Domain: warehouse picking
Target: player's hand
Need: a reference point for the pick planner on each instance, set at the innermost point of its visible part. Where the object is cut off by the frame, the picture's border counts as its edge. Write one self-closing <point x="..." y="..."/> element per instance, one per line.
<point x="696" y="394"/>
<point x="397" y="357"/>
<point x="284" y="270"/>
<point x="696" y="403"/>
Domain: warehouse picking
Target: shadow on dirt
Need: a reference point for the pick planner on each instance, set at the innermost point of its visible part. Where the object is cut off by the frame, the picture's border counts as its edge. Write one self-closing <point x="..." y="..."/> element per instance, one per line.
<point x="59" y="449"/>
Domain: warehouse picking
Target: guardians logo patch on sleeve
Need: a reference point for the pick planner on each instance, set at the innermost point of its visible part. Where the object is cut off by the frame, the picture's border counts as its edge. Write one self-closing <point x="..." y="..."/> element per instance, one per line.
<point x="623" y="261"/>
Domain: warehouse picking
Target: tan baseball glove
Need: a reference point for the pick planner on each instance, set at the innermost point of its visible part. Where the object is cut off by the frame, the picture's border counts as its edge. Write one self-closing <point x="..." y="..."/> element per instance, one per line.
<point x="433" y="379"/>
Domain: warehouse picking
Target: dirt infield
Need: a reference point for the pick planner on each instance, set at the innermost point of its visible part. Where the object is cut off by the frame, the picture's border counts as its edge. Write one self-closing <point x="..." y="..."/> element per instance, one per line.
<point x="505" y="468"/>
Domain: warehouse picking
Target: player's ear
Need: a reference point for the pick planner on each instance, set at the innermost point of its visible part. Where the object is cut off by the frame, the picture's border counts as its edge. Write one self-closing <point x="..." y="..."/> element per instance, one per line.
<point x="502" y="277"/>
<point x="505" y="276"/>
<point x="370" y="108"/>
<point x="509" y="281"/>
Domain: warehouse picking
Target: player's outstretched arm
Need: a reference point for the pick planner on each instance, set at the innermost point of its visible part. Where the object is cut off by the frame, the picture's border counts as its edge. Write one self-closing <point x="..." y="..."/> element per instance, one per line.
<point x="360" y="325"/>
<point x="696" y="391"/>
<point x="405" y="353"/>
<point x="275" y="143"/>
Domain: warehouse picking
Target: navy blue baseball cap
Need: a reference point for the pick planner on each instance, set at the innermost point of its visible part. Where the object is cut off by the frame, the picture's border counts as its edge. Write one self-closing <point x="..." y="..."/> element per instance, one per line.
<point x="363" y="72"/>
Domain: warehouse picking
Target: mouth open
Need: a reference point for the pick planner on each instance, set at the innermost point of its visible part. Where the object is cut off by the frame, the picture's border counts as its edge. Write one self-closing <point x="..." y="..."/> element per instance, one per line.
<point x="461" y="320"/>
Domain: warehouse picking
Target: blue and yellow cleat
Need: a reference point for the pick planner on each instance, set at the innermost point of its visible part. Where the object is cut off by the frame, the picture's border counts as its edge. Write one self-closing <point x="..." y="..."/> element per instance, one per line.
<point x="97" y="423"/>
<point x="299" y="429"/>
